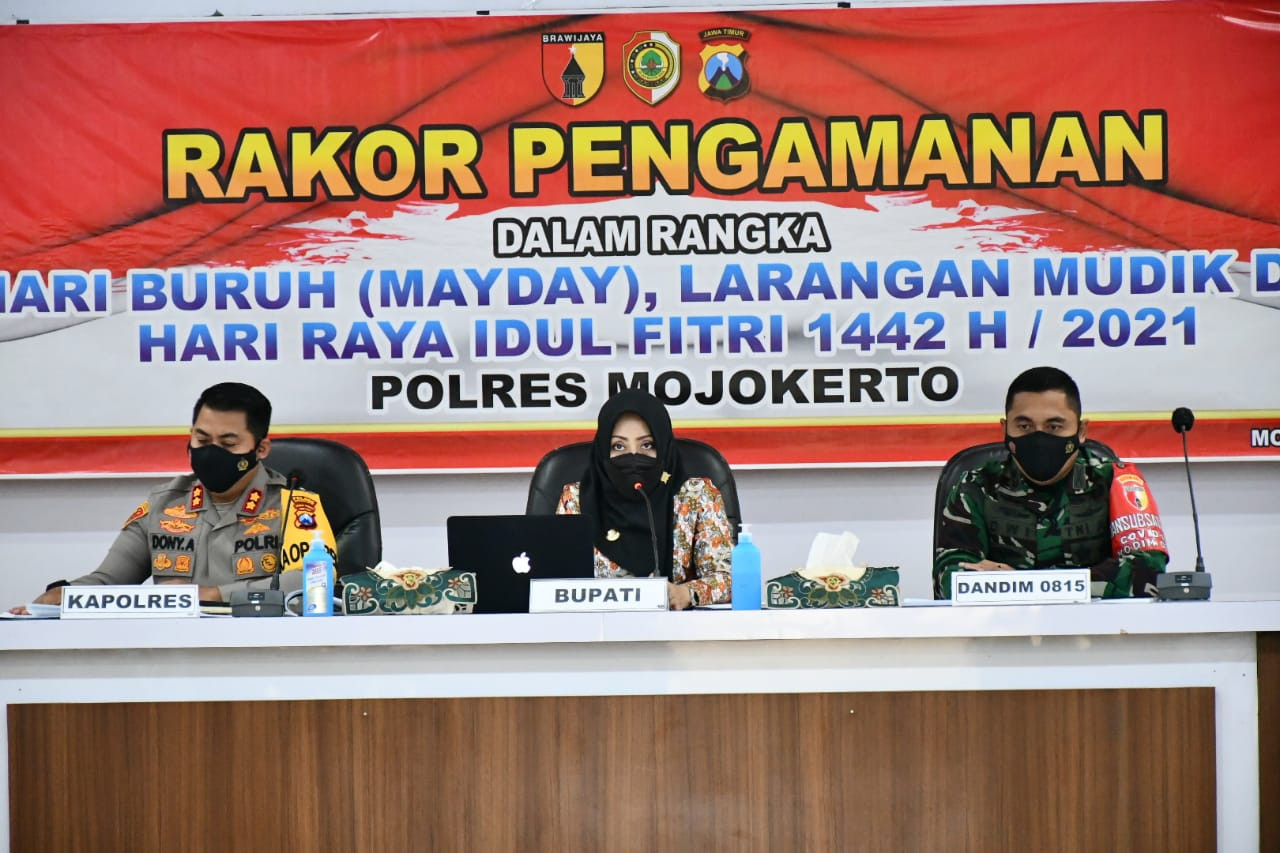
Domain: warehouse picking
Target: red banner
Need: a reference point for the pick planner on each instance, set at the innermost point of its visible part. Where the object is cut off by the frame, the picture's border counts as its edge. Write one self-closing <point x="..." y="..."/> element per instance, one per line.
<point x="821" y="236"/>
<point x="840" y="444"/>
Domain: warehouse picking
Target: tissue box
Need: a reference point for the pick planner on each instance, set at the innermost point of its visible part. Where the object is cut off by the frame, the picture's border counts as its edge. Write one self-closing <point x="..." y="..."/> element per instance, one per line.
<point x="386" y="590"/>
<point x="874" y="586"/>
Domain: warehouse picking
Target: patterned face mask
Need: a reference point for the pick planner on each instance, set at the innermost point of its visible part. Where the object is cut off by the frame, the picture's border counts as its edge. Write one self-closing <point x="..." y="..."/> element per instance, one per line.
<point x="1042" y="455"/>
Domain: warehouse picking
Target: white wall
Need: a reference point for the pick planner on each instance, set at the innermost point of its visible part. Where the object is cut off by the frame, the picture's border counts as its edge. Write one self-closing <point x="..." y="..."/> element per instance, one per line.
<point x="51" y="529"/>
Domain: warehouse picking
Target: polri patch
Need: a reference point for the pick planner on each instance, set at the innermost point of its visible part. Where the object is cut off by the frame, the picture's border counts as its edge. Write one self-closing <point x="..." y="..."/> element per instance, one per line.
<point x="304" y="512"/>
<point x="724" y="63"/>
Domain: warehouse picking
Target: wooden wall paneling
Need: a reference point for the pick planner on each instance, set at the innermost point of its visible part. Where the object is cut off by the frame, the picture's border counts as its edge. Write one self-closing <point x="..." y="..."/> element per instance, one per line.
<point x="1011" y="770"/>
<point x="1269" y="738"/>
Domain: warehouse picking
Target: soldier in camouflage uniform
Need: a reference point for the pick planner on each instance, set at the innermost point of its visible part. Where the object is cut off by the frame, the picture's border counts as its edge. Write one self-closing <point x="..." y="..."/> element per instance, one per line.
<point x="1046" y="505"/>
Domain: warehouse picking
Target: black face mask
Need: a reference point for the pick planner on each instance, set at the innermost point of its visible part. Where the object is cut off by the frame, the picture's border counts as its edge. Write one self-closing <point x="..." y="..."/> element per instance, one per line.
<point x="1042" y="455"/>
<point x="631" y="468"/>
<point x="219" y="468"/>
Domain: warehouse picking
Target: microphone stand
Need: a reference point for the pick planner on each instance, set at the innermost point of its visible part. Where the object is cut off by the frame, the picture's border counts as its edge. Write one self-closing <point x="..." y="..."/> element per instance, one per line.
<point x="1195" y="517"/>
<point x="653" y="532"/>
<point x="270" y="601"/>
<point x="1194" y="585"/>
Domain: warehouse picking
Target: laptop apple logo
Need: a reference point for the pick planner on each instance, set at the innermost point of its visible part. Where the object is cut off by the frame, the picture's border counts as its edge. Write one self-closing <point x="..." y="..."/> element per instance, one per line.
<point x="520" y="563"/>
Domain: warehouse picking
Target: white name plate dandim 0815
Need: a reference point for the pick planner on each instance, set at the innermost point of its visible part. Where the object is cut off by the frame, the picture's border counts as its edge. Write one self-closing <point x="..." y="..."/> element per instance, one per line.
<point x="131" y="602"/>
<point x="592" y="595"/>
<point x="1029" y="586"/>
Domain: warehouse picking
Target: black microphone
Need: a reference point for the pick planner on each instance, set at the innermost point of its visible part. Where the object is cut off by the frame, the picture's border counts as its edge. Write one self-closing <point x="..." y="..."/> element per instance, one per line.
<point x="1183" y="420"/>
<point x="295" y="479"/>
<point x="1186" y="586"/>
<point x="653" y="533"/>
<point x="270" y="601"/>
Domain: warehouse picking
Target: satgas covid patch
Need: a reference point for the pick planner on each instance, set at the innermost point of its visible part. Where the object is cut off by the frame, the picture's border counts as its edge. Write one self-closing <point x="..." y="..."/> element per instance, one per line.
<point x="1135" y="520"/>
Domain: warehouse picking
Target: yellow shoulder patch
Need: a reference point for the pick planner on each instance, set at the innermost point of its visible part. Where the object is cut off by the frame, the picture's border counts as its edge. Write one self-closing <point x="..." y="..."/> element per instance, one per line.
<point x="143" y="509"/>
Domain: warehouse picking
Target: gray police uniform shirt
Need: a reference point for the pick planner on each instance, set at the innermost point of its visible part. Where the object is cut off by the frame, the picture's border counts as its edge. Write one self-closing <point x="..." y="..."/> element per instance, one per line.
<point x="179" y="533"/>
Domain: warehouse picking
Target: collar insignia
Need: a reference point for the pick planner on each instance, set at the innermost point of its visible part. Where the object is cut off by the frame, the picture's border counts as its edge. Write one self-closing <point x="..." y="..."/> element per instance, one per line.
<point x="252" y="501"/>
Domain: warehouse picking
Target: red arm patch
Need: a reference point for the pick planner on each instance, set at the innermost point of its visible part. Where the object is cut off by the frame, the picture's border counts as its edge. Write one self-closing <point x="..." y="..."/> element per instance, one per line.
<point x="1135" y="520"/>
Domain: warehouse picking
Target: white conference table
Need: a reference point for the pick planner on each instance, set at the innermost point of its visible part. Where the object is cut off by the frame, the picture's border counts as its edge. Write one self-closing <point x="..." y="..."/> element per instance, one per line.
<point x="1138" y="644"/>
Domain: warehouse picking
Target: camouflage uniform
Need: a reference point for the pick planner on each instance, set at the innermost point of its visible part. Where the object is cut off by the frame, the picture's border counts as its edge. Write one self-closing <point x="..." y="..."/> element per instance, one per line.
<point x="994" y="513"/>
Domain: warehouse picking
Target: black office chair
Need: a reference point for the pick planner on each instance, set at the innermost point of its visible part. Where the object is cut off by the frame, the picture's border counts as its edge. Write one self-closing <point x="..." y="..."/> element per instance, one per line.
<point x="338" y="474"/>
<point x="980" y="454"/>
<point x="566" y="464"/>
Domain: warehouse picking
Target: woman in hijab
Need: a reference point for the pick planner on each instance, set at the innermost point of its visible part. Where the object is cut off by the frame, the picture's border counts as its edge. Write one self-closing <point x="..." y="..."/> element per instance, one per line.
<point x="635" y="479"/>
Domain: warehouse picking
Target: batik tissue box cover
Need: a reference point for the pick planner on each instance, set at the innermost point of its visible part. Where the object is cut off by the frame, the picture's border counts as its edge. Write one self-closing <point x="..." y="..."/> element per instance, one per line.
<point x="386" y="590"/>
<point x="870" y="586"/>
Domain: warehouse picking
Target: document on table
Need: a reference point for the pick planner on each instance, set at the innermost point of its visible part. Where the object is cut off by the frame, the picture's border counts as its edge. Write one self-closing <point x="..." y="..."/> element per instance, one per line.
<point x="35" y="611"/>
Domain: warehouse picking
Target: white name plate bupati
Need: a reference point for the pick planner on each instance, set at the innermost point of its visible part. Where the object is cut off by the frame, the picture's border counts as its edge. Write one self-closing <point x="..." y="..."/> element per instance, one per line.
<point x="588" y="595"/>
<point x="130" y="602"/>
<point x="1028" y="586"/>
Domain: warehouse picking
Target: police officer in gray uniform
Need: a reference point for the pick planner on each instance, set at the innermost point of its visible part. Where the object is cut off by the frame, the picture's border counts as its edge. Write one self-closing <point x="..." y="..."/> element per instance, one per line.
<point x="230" y="524"/>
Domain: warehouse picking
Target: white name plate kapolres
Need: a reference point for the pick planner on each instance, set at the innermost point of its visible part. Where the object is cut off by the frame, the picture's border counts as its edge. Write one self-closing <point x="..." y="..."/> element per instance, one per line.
<point x="1028" y="586"/>
<point x="593" y="595"/>
<point x="165" y="601"/>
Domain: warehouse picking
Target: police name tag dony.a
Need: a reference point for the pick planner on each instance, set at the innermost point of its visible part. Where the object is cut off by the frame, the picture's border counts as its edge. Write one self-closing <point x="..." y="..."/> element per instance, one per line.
<point x="593" y="595"/>
<point x="130" y="602"/>
<point x="1029" y="586"/>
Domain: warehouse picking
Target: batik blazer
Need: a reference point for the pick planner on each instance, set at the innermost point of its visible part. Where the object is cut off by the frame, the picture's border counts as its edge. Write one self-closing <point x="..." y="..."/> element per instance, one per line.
<point x="701" y="541"/>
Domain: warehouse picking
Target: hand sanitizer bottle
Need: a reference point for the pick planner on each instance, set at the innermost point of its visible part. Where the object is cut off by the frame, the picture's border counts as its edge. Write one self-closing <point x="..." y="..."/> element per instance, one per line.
<point x="317" y="580"/>
<point x="745" y="568"/>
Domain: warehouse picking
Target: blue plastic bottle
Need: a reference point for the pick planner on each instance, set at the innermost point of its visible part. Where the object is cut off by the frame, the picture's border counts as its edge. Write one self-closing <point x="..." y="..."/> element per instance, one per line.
<point x="746" y="572"/>
<point x="317" y="580"/>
